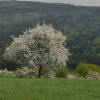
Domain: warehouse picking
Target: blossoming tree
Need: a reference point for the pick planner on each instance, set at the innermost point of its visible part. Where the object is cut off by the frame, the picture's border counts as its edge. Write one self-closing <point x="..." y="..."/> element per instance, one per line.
<point x="39" y="47"/>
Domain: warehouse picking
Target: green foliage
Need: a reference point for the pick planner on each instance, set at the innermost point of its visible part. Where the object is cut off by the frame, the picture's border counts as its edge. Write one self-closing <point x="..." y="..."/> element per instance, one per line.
<point x="83" y="69"/>
<point x="61" y="72"/>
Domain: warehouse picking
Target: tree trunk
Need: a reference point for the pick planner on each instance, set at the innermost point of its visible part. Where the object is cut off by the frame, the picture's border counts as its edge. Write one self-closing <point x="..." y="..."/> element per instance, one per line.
<point x="39" y="72"/>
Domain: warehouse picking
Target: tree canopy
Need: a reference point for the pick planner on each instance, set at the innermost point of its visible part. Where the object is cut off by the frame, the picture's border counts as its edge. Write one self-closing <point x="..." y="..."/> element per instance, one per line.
<point x="39" y="47"/>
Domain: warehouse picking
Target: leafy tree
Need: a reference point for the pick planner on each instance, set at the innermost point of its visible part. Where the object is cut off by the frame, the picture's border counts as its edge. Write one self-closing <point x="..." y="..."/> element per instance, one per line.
<point x="39" y="47"/>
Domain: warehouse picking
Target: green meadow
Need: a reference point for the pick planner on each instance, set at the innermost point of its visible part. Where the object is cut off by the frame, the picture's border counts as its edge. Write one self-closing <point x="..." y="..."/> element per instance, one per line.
<point x="48" y="89"/>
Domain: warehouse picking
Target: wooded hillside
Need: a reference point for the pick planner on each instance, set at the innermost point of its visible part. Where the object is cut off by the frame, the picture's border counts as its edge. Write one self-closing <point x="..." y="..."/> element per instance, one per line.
<point x="80" y="24"/>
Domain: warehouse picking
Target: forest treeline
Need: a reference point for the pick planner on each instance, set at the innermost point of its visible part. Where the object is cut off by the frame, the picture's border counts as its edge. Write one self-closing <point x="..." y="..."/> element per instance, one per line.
<point x="80" y="24"/>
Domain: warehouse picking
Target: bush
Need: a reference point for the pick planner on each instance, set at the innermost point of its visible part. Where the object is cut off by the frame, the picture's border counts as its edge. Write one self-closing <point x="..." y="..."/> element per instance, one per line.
<point x="61" y="72"/>
<point x="83" y="69"/>
<point x="92" y="75"/>
<point x="25" y="72"/>
<point x="6" y="73"/>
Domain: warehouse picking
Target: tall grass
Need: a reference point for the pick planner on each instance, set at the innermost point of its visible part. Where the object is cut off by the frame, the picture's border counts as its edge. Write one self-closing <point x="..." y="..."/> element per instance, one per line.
<point x="48" y="89"/>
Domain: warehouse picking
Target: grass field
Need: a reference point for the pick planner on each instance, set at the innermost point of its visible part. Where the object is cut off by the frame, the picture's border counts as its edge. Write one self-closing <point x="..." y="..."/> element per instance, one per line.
<point x="48" y="89"/>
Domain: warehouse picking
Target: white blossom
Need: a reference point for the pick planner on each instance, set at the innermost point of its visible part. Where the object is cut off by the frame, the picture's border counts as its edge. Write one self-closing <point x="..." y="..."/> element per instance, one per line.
<point x="40" y="46"/>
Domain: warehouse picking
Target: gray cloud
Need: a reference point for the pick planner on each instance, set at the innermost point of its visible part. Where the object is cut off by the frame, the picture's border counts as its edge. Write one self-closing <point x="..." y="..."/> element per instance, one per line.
<point x="76" y="2"/>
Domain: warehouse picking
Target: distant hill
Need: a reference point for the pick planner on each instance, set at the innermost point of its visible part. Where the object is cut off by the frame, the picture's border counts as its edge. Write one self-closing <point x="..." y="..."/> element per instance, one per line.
<point x="80" y="24"/>
<point x="15" y="17"/>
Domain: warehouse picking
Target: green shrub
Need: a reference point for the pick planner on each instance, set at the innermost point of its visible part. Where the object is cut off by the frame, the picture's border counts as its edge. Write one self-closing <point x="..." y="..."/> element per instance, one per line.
<point x="61" y="72"/>
<point x="83" y="69"/>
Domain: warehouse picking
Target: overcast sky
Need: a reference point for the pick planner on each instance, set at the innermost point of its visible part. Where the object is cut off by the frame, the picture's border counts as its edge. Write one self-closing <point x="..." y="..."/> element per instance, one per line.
<point x="76" y="2"/>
